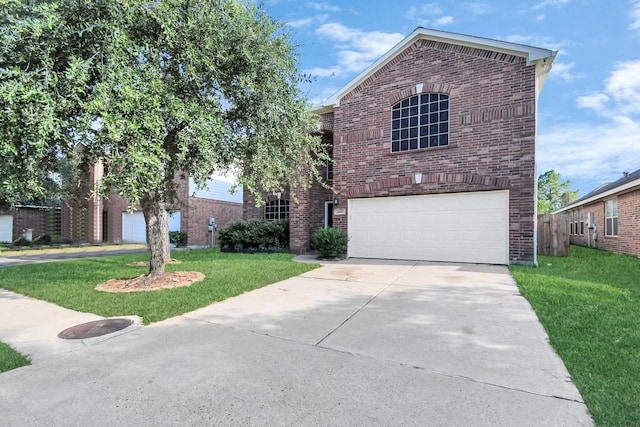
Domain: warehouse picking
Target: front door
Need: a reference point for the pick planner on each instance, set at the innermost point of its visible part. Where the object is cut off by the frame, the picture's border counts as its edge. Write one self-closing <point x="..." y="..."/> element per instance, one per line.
<point x="328" y="214"/>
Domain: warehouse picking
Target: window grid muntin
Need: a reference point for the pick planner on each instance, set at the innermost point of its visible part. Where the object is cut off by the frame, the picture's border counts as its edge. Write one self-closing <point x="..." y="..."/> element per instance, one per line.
<point x="421" y="121"/>
<point x="276" y="210"/>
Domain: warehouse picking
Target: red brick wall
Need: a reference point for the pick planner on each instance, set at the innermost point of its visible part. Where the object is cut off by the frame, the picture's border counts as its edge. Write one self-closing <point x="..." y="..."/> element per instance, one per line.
<point x="79" y="217"/>
<point x="628" y="239"/>
<point x="42" y="220"/>
<point x="492" y="133"/>
<point x="194" y="218"/>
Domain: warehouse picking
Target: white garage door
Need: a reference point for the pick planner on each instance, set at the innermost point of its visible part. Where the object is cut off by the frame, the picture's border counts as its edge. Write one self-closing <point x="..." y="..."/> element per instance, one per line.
<point x="134" y="229"/>
<point x="459" y="227"/>
<point x="6" y="228"/>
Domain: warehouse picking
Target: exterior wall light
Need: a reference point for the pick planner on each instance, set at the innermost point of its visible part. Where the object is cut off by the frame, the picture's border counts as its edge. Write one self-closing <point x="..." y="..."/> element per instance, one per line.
<point x="336" y="201"/>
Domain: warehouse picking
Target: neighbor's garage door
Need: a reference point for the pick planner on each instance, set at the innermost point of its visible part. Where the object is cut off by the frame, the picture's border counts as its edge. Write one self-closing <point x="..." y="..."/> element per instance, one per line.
<point x="6" y="228"/>
<point x="134" y="228"/>
<point x="459" y="227"/>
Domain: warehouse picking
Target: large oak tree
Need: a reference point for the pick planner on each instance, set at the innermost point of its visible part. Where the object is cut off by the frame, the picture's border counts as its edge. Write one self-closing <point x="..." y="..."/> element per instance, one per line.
<point x="152" y="89"/>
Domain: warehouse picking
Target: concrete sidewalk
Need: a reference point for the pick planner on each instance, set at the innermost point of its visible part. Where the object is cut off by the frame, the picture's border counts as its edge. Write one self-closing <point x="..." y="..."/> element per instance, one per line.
<point x="49" y="255"/>
<point x="352" y="343"/>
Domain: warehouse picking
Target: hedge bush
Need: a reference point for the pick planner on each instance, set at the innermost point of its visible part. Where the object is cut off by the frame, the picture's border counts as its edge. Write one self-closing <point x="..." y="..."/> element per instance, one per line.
<point x="178" y="238"/>
<point x="255" y="235"/>
<point x="330" y="242"/>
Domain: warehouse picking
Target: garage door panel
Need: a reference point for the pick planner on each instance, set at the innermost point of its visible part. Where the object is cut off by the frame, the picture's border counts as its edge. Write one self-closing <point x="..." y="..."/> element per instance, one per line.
<point x="464" y="227"/>
<point x="134" y="227"/>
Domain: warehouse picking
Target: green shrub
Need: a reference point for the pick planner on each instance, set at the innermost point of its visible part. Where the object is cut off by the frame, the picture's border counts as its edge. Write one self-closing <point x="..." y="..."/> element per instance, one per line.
<point x="255" y="235"/>
<point x="330" y="242"/>
<point x="21" y="241"/>
<point x="45" y="239"/>
<point x="178" y="238"/>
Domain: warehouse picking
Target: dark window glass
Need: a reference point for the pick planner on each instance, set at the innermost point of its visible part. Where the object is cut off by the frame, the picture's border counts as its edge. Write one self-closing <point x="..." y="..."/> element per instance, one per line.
<point x="276" y="209"/>
<point x="420" y="121"/>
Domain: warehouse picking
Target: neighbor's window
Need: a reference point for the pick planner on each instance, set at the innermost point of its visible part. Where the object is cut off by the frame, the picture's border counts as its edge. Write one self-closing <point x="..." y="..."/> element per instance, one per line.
<point x="581" y="222"/>
<point x="611" y="217"/>
<point x="421" y="121"/>
<point x="276" y="209"/>
<point x="571" y="222"/>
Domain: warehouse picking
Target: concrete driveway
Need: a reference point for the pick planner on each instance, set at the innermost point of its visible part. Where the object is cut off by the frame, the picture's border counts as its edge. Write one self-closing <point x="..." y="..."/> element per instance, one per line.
<point x="359" y="342"/>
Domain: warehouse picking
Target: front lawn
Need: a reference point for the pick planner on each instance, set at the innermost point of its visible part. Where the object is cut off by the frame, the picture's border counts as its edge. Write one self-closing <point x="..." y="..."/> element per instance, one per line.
<point x="589" y="303"/>
<point x="71" y="283"/>
<point x="10" y="359"/>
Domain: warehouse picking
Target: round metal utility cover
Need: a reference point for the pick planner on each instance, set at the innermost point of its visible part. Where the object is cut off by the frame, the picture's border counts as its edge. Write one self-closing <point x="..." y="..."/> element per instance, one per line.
<point x="93" y="329"/>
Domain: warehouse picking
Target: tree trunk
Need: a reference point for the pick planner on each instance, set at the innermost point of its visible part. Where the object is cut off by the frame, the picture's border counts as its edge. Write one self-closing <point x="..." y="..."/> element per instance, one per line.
<point x="157" y="220"/>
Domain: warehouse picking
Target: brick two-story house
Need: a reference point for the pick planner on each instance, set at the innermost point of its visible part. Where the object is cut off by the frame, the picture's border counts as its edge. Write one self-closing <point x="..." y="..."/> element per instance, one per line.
<point x="434" y="149"/>
<point x="608" y="217"/>
<point x="109" y="219"/>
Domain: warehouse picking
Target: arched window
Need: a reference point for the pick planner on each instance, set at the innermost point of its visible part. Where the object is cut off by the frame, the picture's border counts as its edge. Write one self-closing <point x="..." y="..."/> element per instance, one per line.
<point x="421" y="121"/>
<point x="276" y="209"/>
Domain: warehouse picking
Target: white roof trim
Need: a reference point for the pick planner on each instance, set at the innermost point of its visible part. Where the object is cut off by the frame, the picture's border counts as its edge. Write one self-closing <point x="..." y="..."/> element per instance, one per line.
<point x="532" y="54"/>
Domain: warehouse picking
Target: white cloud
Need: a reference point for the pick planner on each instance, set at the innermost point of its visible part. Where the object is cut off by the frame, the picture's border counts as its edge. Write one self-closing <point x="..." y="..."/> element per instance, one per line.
<point x="590" y="151"/>
<point x="563" y="71"/>
<point x="546" y="3"/>
<point x="324" y="7"/>
<point x="599" y="149"/>
<point x="425" y="9"/>
<point x="356" y="49"/>
<point x="635" y="15"/>
<point x="537" y="41"/>
<point x="476" y="8"/>
<point x="323" y="72"/>
<point x="540" y="17"/>
<point x="596" y="101"/>
<point x="428" y="14"/>
<point x="445" y="20"/>
<point x="622" y="89"/>
<point x="300" y="23"/>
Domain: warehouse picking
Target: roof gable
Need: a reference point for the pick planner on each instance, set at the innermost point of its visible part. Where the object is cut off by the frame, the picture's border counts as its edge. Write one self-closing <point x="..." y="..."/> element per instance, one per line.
<point x="541" y="58"/>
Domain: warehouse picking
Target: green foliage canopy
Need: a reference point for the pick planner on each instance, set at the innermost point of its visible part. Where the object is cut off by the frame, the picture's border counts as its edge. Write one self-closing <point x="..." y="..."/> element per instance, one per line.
<point x="151" y="88"/>
<point x="553" y="193"/>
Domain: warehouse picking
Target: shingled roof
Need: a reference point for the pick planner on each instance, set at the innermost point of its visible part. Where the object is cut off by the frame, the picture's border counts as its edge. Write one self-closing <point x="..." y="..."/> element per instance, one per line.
<point x="628" y="182"/>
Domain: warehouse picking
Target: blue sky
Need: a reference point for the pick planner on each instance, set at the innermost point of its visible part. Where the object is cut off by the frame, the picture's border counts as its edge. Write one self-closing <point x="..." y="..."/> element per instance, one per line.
<point x="589" y="108"/>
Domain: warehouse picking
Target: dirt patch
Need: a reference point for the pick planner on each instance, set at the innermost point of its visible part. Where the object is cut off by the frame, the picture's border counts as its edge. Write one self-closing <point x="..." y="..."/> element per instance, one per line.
<point x="168" y="280"/>
<point x="146" y="263"/>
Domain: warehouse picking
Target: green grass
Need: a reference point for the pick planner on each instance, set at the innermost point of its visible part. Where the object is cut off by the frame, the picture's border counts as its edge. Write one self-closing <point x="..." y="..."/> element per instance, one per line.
<point x="10" y="359"/>
<point x="589" y="303"/>
<point x="71" y="283"/>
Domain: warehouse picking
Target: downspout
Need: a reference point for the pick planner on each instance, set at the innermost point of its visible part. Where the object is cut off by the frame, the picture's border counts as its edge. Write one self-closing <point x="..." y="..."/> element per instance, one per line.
<point x="543" y="67"/>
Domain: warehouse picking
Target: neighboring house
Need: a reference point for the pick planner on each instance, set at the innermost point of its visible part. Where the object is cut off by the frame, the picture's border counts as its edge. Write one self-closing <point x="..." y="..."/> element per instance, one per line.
<point x="29" y="221"/>
<point x="108" y="219"/>
<point x="434" y="151"/>
<point x="608" y="217"/>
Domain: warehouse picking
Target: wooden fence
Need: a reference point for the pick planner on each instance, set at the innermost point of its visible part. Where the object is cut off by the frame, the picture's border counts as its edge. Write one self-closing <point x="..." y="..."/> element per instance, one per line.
<point x="553" y="235"/>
